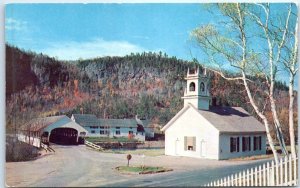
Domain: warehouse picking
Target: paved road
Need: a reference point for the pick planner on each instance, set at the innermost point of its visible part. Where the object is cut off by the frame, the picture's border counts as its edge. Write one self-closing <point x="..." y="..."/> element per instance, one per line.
<point x="79" y="166"/>
<point x="188" y="178"/>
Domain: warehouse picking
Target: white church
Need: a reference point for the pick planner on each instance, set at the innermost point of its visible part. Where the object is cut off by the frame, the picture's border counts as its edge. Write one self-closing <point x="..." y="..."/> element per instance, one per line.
<point x="213" y="132"/>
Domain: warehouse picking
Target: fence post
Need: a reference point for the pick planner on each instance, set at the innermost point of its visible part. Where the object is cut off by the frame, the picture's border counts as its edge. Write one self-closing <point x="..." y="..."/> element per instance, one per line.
<point x="255" y="176"/>
<point x="252" y="183"/>
<point x="228" y="180"/>
<point x="268" y="174"/>
<point x="285" y="170"/>
<point x="272" y="174"/>
<point x="248" y="181"/>
<point x="260" y="178"/>
<point x="281" y="171"/>
<point x="290" y="170"/>
<point x="235" y="180"/>
<point x="295" y="170"/>
<point x="264" y="175"/>
<point x="244" y="178"/>
<point x="277" y="174"/>
<point x="240" y="179"/>
<point x="232" y="180"/>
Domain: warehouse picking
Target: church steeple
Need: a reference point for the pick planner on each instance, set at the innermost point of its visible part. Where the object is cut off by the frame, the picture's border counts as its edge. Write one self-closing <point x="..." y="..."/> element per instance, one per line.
<point x="197" y="90"/>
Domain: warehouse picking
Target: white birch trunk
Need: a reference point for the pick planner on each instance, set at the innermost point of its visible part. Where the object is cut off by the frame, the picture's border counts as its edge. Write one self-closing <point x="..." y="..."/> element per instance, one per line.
<point x="291" y="117"/>
<point x="291" y="93"/>
<point x="263" y="117"/>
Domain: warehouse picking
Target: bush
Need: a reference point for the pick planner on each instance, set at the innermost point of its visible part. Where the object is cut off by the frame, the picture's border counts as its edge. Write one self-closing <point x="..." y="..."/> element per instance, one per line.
<point x="19" y="151"/>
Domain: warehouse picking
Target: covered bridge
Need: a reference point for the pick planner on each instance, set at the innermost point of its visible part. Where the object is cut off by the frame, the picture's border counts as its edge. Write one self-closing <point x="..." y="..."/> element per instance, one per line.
<point x="55" y="129"/>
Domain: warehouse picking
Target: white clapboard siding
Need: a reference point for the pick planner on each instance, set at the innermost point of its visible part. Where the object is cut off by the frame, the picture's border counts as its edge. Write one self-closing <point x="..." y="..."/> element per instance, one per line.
<point x="270" y="174"/>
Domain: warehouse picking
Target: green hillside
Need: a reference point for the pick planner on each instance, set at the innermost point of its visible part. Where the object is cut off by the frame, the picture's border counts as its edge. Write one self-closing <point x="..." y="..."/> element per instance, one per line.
<point x="147" y="84"/>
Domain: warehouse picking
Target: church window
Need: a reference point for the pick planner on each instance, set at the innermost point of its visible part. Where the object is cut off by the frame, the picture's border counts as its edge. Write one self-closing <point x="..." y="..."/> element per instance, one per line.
<point x="257" y="143"/>
<point x="190" y="143"/>
<point x="246" y="143"/>
<point x="202" y="87"/>
<point x="192" y="86"/>
<point x="234" y="144"/>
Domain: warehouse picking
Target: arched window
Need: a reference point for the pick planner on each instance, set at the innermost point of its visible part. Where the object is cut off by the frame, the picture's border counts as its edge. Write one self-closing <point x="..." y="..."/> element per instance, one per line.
<point x="202" y="87"/>
<point x="192" y="86"/>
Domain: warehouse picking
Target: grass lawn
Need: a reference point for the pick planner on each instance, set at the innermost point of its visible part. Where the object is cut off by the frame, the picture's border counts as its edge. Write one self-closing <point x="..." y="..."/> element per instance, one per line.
<point x="146" y="152"/>
<point x="255" y="157"/>
<point x="142" y="169"/>
<point x="249" y="158"/>
<point x="287" y="147"/>
<point x="107" y="139"/>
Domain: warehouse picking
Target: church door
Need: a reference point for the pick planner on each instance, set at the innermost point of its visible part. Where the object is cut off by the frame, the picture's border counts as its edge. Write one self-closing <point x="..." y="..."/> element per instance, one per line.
<point x="177" y="146"/>
<point x="203" y="148"/>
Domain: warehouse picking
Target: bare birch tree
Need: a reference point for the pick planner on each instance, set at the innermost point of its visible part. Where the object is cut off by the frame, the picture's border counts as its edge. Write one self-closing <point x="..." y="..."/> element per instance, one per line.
<point x="290" y="63"/>
<point x="282" y="39"/>
<point x="274" y="32"/>
<point x="232" y="46"/>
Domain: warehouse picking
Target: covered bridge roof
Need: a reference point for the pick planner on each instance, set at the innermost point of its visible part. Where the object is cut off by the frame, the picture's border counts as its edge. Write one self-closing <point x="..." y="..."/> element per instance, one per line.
<point x="38" y="124"/>
<point x="49" y="123"/>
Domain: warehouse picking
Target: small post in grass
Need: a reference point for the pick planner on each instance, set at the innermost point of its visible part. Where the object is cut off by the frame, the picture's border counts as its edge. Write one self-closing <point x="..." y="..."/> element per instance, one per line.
<point x="143" y="157"/>
<point x="128" y="159"/>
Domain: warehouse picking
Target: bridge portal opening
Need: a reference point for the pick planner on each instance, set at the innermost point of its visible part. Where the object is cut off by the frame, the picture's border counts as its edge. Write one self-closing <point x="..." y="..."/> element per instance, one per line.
<point x="64" y="136"/>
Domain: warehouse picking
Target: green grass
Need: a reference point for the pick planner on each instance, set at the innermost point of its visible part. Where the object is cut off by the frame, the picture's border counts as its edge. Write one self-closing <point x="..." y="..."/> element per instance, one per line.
<point x="107" y="139"/>
<point x="142" y="169"/>
<point x="287" y="147"/>
<point x="146" y="152"/>
<point x="249" y="158"/>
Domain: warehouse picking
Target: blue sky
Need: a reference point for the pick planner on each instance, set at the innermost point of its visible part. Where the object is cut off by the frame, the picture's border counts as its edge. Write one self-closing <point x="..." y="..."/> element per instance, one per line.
<point x="72" y="31"/>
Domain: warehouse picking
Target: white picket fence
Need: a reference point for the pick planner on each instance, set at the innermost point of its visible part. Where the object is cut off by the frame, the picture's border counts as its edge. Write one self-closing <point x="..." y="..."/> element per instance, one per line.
<point x="270" y="174"/>
<point x="34" y="141"/>
<point x="92" y="145"/>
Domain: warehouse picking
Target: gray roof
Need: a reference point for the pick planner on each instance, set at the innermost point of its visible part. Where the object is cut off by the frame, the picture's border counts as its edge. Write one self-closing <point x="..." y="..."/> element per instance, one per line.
<point x="86" y="119"/>
<point x="145" y="123"/>
<point x="232" y="119"/>
<point x="39" y="124"/>
<point x="118" y="122"/>
<point x="92" y="120"/>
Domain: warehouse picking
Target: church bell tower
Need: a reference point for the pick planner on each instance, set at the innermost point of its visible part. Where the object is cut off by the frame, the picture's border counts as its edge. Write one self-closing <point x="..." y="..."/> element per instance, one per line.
<point x="197" y="90"/>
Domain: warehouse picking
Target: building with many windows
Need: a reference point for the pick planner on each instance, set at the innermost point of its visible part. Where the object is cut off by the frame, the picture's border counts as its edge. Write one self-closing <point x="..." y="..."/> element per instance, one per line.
<point x="132" y="128"/>
<point x="214" y="132"/>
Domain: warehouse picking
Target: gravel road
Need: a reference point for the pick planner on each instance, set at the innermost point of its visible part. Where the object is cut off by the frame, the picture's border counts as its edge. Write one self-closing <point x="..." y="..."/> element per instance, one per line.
<point x="81" y="166"/>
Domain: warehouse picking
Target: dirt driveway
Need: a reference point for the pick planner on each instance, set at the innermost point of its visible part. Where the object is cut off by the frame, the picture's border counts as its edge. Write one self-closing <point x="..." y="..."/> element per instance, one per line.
<point x="80" y="166"/>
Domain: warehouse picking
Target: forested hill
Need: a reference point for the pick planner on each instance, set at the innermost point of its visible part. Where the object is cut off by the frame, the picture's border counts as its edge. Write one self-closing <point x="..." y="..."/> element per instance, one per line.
<point x="147" y="84"/>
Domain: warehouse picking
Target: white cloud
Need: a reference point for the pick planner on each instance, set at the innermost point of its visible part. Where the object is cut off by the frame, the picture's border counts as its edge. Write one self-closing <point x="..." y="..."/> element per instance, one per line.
<point x="72" y="50"/>
<point x="13" y="24"/>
